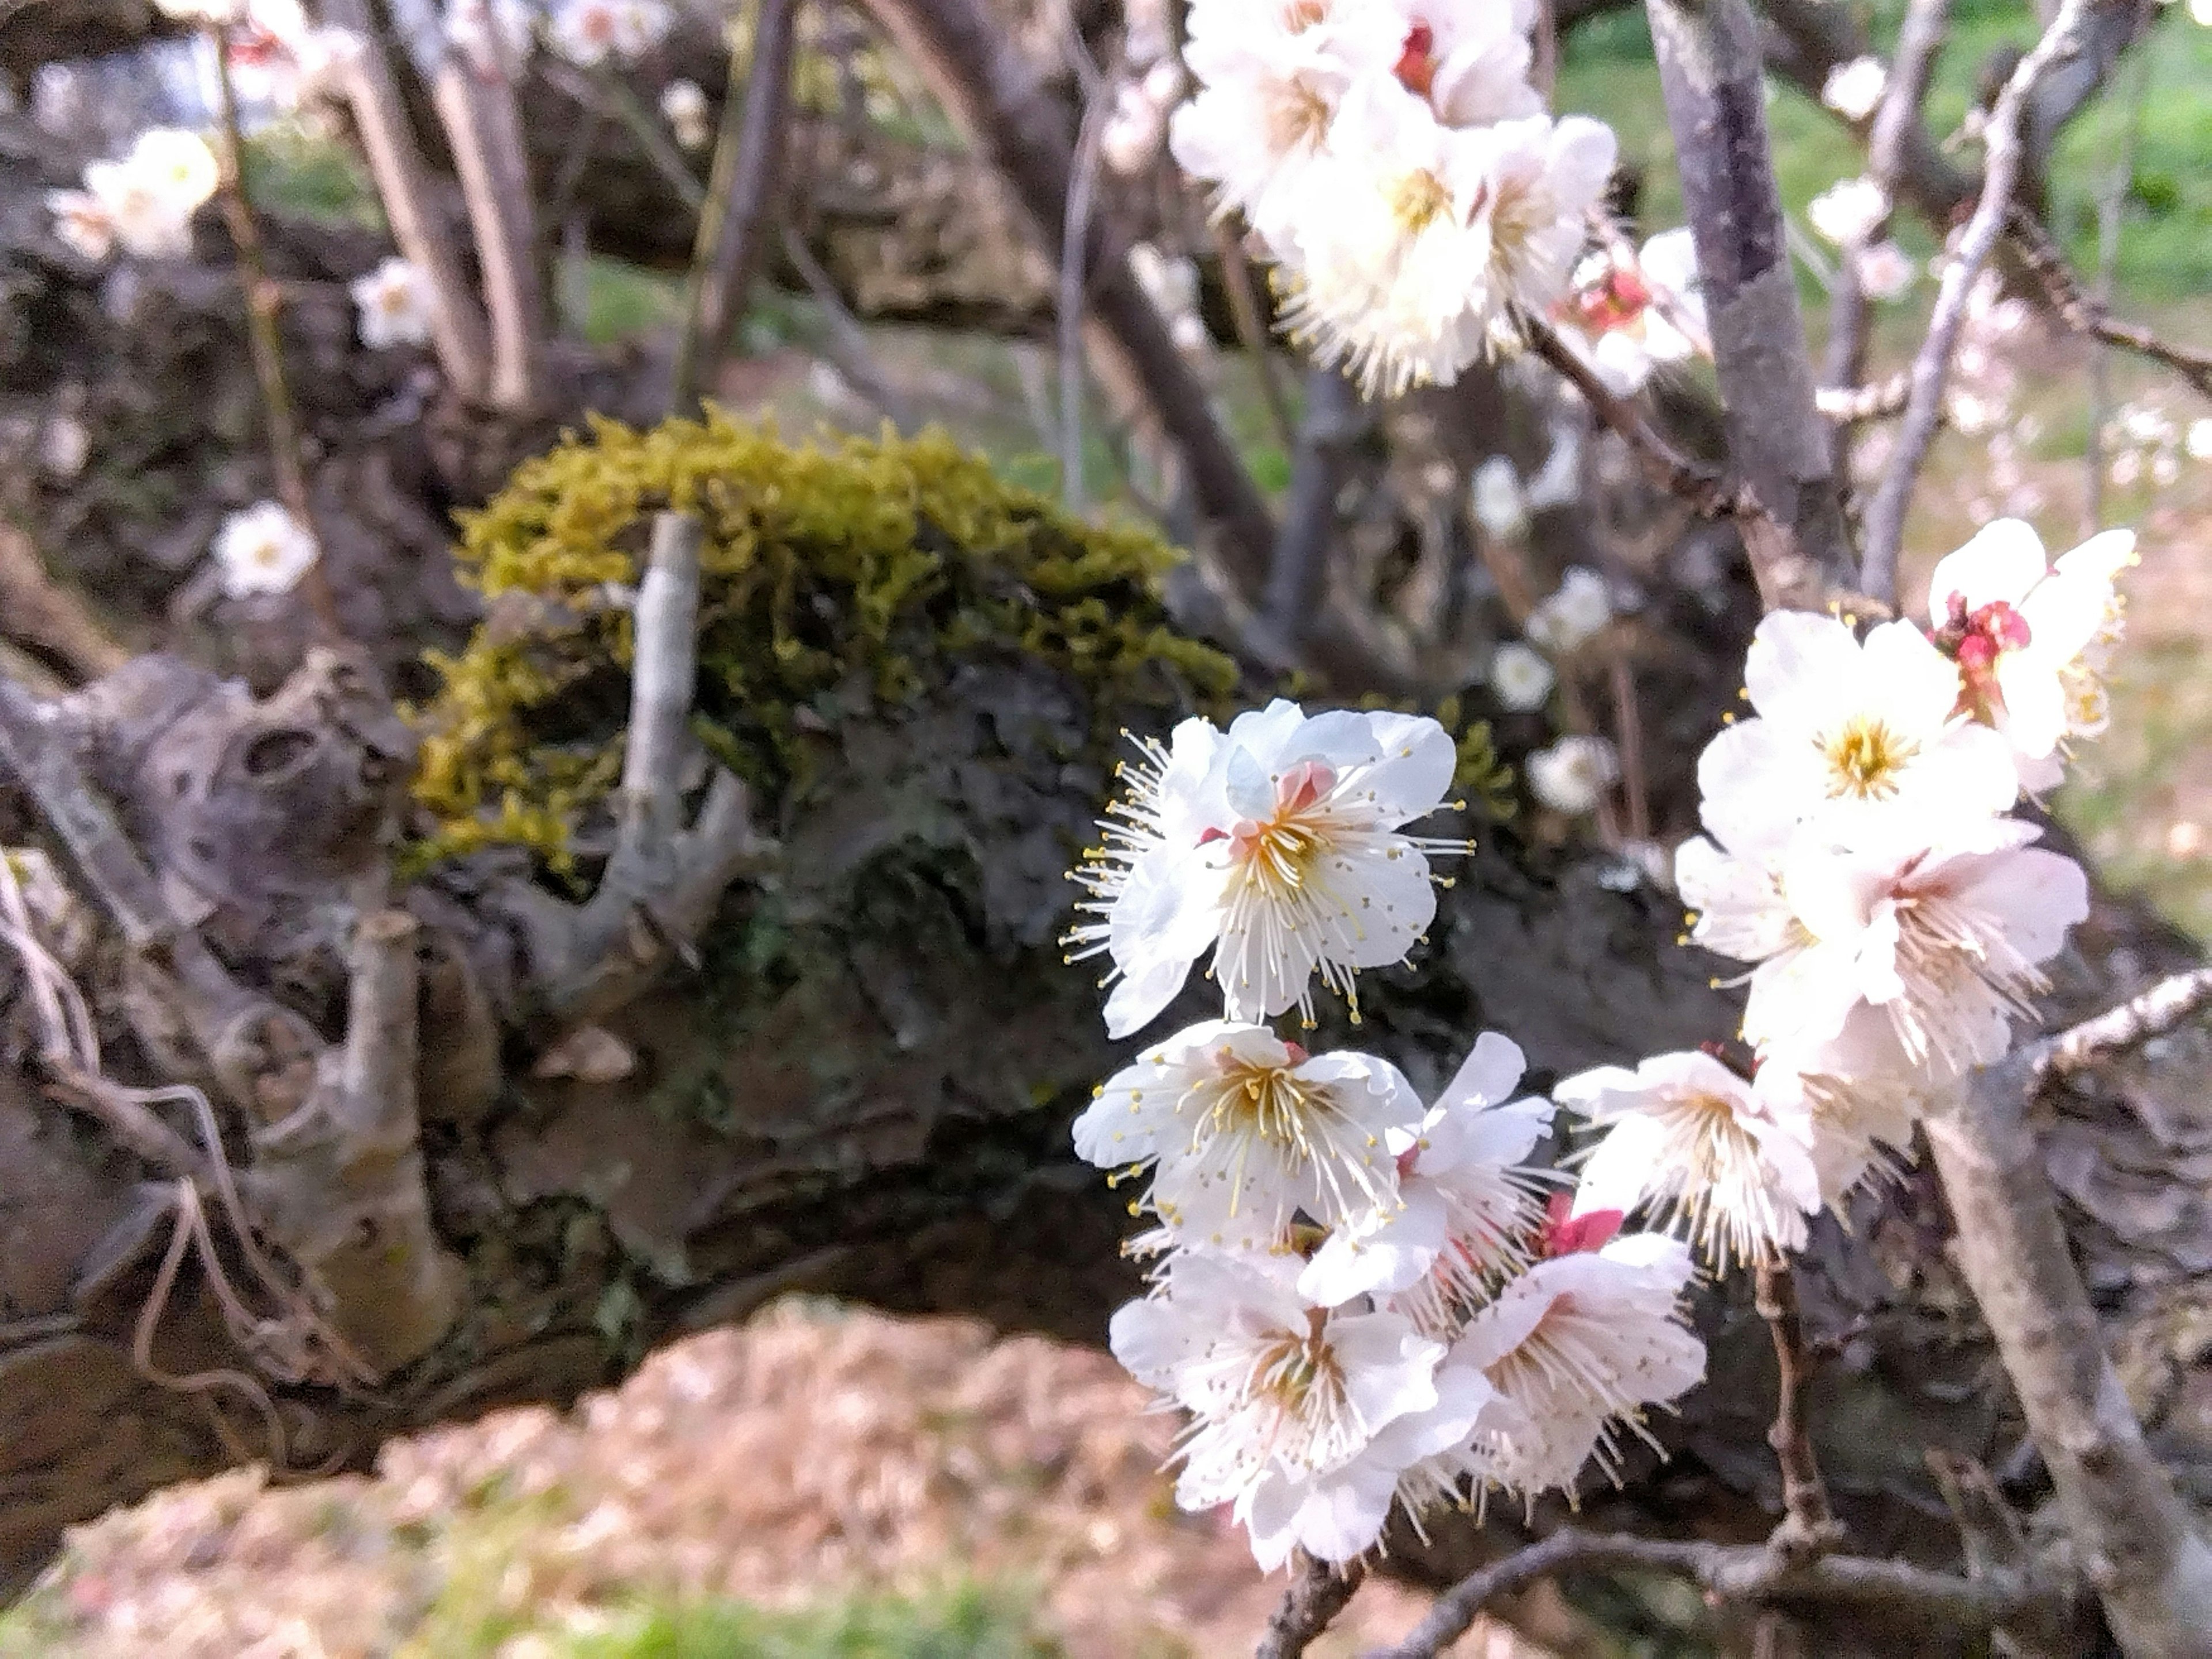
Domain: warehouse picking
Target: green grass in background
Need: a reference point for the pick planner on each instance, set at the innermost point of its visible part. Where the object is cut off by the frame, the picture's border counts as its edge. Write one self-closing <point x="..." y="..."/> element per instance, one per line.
<point x="2166" y="247"/>
<point x="964" y="1622"/>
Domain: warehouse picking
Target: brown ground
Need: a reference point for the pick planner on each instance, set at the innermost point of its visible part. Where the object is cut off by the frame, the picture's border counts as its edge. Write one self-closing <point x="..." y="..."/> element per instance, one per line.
<point x="814" y="1451"/>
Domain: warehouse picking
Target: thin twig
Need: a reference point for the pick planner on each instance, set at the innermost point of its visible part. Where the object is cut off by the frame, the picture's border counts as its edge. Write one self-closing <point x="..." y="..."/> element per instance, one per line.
<point x="1704" y="488"/>
<point x="1239" y="281"/>
<point x="1808" y="1525"/>
<point x="1737" y="1572"/>
<point x="847" y="345"/>
<point x="1074" y="233"/>
<point x="1628" y="743"/>
<point x="1897" y="116"/>
<point x="2085" y="315"/>
<point x="1848" y="405"/>
<point x="1319" y="1591"/>
<point x="263" y="300"/>
<point x="1931" y="367"/>
<point x="2153" y="1012"/>
<point x="476" y="105"/>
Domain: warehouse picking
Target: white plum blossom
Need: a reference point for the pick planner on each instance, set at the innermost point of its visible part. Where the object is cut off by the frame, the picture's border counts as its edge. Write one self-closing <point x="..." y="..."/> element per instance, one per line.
<point x="1277" y="843"/>
<point x="1630" y="315"/>
<point x="1577" y="610"/>
<point x="2199" y="441"/>
<point x="1498" y="501"/>
<point x="588" y="32"/>
<point x="145" y="201"/>
<point x="1886" y="271"/>
<point x="1848" y="211"/>
<point x="1435" y="233"/>
<point x="1581" y="1343"/>
<point x="84" y="220"/>
<point x="396" y="303"/>
<point x="263" y="549"/>
<point x="2030" y="637"/>
<point x="1520" y="676"/>
<point x="1854" y="90"/>
<point x="203" y="11"/>
<point x="1292" y="1406"/>
<point x="1728" y="1160"/>
<point x="1573" y="775"/>
<point x="1861" y="1093"/>
<point x="1848" y="733"/>
<point x="1242" y="1130"/>
<point x="1944" y="933"/>
<point x="684" y="106"/>
<point x="494" y="35"/>
<point x="1465" y="1208"/>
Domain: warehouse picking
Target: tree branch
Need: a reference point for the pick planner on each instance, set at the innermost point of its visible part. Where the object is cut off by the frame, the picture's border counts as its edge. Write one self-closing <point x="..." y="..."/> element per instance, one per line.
<point x="1712" y="72"/>
<point x="1318" y="1592"/>
<point x="1897" y="117"/>
<point x="1931" y="368"/>
<point x="740" y="200"/>
<point x="475" y="105"/>
<point x="1737" y="1572"/>
<point x="2138" y="1541"/>
<point x="1025" y="131"/>
<point x="1808" y="1525"/>
<point x="379" y="115"/>
<point x="2085" y="315"/>
<point x="2155" y="1011"/>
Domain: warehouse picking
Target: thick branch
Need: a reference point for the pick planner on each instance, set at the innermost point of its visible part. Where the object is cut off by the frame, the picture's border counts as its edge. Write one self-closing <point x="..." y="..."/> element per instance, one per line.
<point x="2137" y="1541"/>
<point x="1743" y="1572"/>
<point x="1711" y="70"/>
<point x="1025" y="131"/>
<point x="1931" y="368"/>
<point x="2155" y="1011"/>
<point x="1318" y="1592"/>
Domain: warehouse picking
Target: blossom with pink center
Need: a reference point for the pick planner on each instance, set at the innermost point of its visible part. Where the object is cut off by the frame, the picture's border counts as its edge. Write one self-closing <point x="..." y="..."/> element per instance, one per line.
<point x="2030" y="637"/>
<point x="1729" y="1161"/>
<point x="1278" y="844"/>
<point x="1242" y="1132"/>
<point x="1465" y="1206"/>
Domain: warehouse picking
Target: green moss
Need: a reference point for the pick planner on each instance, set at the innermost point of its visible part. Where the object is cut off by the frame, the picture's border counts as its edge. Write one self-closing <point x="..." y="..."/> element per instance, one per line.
<point x="838" y="577"/>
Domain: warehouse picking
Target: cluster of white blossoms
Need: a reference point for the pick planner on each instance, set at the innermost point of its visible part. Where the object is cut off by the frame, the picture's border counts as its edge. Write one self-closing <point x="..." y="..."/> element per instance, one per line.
<point x="1400" y="168"/>
<point x="396" y="302"/>
<point x="263" y="549"/>
<point x="143" y="202"/>
<point x="591" y="32"/>
<point x="1360" y="1298"/>
<point x="1860" y="856"/>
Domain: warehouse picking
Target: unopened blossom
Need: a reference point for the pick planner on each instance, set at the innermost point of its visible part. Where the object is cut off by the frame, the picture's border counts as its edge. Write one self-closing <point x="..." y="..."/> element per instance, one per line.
<point x="1630" y="315"/>
<point x="1944" y="933"/>
<point x="2029" y="636"/>
<point x="1290" y="1403"/>
<point x="1520" y="676"/>
<point x="84" y="220"/>
<point x="1848" y="211"/>
<point x="1886" y="271"/>
<point x="1730" y="1163"/>
<point x="1573" y="775"/>
<point x="1854" y="90"/>
<point x="263" y="549"/>
<point x="396" y="302"/>
<point x="1499" y="505"/>
<point x="1242" y="1130"/>
<point x="684" y="106"/>
<point x="1578" y="1345"/>
<point x="1847" y="731"/>
<point x="1465" y="1205"/>
<point x="1278" y="845"/>
<point x="1578" y="609"/>
<point x="1435" y="235"/>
